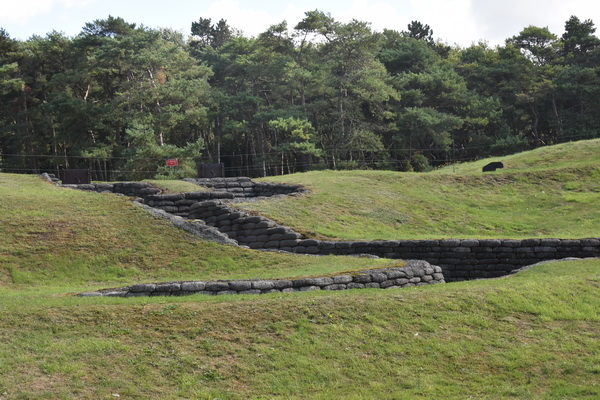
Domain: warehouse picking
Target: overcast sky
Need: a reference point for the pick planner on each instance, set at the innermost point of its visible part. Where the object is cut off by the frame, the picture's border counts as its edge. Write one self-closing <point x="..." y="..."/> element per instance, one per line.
<point x="454" y="21"/>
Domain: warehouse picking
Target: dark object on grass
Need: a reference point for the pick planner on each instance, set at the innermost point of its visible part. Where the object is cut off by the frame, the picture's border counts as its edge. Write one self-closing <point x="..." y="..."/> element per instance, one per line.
<point x="75" y="176"/>
<point x="492" y="166"/>
<point x="211" y="170"/>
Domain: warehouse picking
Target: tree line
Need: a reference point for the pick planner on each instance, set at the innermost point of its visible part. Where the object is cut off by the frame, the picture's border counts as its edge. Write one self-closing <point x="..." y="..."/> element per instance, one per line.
<point x="120" y="99"/>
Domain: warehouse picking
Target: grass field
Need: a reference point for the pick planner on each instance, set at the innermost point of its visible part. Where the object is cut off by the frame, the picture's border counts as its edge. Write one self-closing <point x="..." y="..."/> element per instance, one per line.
<point x="559" y="197"/>
<point x="533" y="335"/>
<point x="50" y="235"/>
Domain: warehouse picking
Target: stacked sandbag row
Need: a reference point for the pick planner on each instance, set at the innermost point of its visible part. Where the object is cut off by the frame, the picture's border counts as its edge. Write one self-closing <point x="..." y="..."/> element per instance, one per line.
<point x="267" y="189"/>
<point x="181" y="203"/>
<point x="221" y="183"/>
<point x="254" y="231"/>
<point x="465" y="258"/>
<point x="133" y="189"/>
<point x="243" y="187"/>
<point x="414" y="273"/>
<point x="195" y="227"/>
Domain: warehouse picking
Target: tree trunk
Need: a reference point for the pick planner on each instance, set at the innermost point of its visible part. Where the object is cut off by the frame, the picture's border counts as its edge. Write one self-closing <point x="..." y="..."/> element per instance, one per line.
<point x="161" y="139"/>
<point x="534" y="127"/>
<point x="54" y="144"/>
<point x="556" y="115"/>
<point x="219" y="134"/>
<point x="65" y="155"/>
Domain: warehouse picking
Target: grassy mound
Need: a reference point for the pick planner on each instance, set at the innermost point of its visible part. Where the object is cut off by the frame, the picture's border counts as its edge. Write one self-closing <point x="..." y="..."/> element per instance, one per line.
<point x="51" y="235"/>
<point x="532" y="335"/>
<point x="580" y="154"/>
<point x="552" y="199"/>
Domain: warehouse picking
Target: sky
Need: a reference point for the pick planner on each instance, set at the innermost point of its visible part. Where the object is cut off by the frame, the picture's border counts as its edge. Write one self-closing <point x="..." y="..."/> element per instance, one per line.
<point x="461" y="22"/>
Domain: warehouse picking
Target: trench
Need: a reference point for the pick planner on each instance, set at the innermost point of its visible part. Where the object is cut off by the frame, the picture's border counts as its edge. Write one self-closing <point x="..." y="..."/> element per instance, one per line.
<point x="214" y="211"/>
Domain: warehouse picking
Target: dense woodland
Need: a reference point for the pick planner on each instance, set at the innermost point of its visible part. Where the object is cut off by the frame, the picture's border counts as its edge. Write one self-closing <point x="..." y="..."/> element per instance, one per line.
<point x="120" y="99"/>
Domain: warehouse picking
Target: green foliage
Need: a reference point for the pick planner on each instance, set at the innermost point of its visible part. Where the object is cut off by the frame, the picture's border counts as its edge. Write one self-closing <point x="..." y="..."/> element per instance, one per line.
<point x="145" y="156"/>
<point x="538" y="44"/>
<point x="428" y="127"/>
<point x="293" y="129"/>
<point x="365" y="98"/>
<point x="420" y="31"/>
<point x="82" y="97"/>
<point x="579" y="40"/>
<point x="419" y="162"/>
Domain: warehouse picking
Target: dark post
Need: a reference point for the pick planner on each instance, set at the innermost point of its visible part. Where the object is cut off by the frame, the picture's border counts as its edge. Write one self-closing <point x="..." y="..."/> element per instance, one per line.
<point x="75" y="176"/>
<point x="211" y="170"/>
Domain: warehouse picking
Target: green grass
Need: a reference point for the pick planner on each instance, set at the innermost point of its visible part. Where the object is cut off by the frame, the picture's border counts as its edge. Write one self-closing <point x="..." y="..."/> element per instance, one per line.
<point x="562" y="200"/>
<point x="50" y="235"/>
<point x="579" y="154"/>
<point x="176" y="186"/>
<point x="534" y="335"/>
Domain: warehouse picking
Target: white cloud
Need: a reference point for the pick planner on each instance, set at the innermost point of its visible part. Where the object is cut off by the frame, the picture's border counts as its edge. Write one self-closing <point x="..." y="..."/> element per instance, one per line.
<point x="251" y="20"/>
<point x="20" y="11"/>
<point x="451" y="20"/>
<point x="380" y="14"/>
<point x="500" y="20"/>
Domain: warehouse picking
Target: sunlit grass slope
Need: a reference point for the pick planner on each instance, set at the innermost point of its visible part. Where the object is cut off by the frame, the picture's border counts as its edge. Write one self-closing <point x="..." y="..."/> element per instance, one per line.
<point x="537" y="198"/>
<point x="583" y="153"/>
<point x="50" y="235"/>
<point x="534" y="335"/>
<point x="527" y="336"/>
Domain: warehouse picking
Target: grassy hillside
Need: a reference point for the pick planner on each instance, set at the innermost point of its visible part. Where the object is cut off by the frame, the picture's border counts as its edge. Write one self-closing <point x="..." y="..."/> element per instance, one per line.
<point x="530" y="336"/>
<point x="50" y="235"/>
<point x="533" y="335"/>
<point x="580" y="154"/>
<point x="534" y="198"/>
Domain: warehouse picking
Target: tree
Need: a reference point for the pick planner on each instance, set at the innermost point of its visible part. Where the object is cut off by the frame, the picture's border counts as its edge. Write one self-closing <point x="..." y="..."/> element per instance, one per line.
<point x="419" y="31"/>
<point x="538" y="44"/>
<point x="357" y="84"/>
<point x="123" y="97"/>
<point x="109" y="27"/>
<point x="578" y="40"/>
<point x="205" y="33"/>
<point x="295" y="141"/>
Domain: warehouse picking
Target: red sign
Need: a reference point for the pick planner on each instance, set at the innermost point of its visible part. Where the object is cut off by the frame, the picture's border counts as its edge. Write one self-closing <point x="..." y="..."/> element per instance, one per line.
<point x="172" y="162"/>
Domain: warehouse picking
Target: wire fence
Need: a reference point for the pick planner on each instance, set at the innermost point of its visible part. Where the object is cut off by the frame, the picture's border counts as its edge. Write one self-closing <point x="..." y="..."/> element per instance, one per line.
<point x="252" y="164"/>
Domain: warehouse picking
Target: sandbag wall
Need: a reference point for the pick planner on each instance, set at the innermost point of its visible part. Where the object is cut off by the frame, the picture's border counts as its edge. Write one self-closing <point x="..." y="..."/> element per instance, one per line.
<point x="414" y="273"/>
<point x="254" y="231"/>
<point x="181" y="204"/>
<point x="134" y="189"/>
<point x="243" y="187"/>
<point x="463" y="259"/>
<point x="460" y="258"/>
